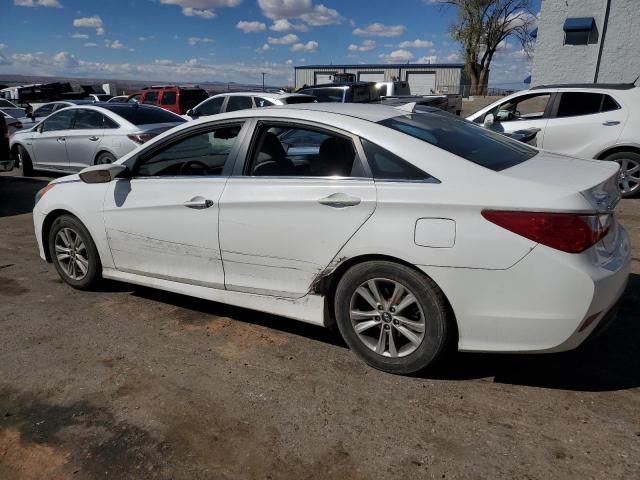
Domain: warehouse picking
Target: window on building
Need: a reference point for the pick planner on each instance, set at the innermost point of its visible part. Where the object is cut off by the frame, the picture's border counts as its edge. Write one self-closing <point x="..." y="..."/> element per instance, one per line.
<point x="579" y="31"/>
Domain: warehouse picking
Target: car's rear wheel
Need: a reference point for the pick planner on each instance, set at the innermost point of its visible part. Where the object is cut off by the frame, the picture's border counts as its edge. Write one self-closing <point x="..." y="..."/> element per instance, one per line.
<point x="73" y="253"/>
<point x="392" y="316"/>
<point x="629" y="180"/>
<point x="23" y="158"/>
<point x="105" y="158"/>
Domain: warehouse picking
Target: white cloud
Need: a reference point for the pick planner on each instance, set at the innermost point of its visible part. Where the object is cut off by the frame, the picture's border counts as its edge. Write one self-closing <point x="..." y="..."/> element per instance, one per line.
<point x="264" y="48"/>
<point x="79" y="35"/>
<point x="195" y="40"/>
<point x="90" y="22"/>
<point x="454" y="57"/>
<point x="305" y="10"/>
<point x="289" y="62"/>
<point x="416" y="44"/>
<point x="201" y="8"/>
<point x="310" y="47"/>
<point x="3" y="46"/>
<point x="380" y="30"/>
<point x="251" y="27"/>
<point x="284" y="25"/>
<point x="65" y="59"/>
<point x="37" y="3"/>
<point x="116" y="45"/>
<point x="365" y="46"/>
<point x="288" y="39"/>
<point x="90" y="44"/>
<point x="397" y="56"/>
<point x="144" y="39"/>
<point x="428" y="59"/>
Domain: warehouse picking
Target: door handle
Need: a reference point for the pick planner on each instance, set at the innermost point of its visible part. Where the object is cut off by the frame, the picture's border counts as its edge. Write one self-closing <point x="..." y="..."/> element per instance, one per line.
<point x="610" y="123"/>
<point x="94" y="138"/>
<point x="339" y="200"/>
<point x="61" y="139"/>
<point x="198" y="203"/>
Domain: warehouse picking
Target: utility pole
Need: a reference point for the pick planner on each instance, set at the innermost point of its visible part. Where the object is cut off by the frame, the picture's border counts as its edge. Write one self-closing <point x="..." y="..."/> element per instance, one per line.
<point x="263" y="74"/>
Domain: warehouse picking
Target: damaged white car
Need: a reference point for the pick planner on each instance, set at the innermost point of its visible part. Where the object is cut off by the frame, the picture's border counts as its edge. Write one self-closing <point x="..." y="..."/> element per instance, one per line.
<point x="414" y="232"/>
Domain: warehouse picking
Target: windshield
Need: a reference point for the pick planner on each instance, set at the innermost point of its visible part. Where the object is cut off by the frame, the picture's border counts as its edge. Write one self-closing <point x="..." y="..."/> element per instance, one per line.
<point x="145" y="116"/>
<point x="365" y="93"/>
<point x="460" y="137"/>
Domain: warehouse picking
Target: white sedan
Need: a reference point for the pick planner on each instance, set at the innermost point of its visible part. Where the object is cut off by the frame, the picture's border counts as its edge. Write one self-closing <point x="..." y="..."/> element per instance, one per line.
<point x="413" y="232"/>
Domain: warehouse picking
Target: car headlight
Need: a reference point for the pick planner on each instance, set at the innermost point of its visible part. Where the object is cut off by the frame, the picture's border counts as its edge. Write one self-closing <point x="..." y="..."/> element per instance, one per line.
<point x="44" y="190"/>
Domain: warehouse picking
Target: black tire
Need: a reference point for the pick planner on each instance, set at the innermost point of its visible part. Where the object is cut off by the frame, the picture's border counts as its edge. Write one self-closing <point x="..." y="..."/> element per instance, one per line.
<point x="93" y="273"/>
<point x="437" y="331"/>
<point x="629" y="182"/>
<point x="23" y="158"/>
<point x="105" y="158"/>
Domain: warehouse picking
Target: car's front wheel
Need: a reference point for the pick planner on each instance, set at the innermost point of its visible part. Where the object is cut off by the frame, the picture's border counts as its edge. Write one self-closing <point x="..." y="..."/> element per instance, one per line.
<point x="73" y="253"/>
<point x="392" y="316"/>
<point x="22" y="157"/>
<point x="629" y="179"/>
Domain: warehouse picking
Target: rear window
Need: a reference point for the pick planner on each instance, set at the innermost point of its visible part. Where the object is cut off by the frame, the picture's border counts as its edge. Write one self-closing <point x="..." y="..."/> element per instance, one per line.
<point x="332" y="95"/>
<point x="293" y="100"/>
<point x="191" y="98"/>
<point x="460" y="137"/>
<point x="145" y="116"/>
<point x="364" y="93"/>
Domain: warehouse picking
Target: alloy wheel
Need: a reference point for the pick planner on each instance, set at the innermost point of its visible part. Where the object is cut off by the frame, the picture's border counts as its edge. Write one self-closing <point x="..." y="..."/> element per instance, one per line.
<point x="387" y="317"/>
<point x="71" y="253"/>
<point x="629" y="177"/>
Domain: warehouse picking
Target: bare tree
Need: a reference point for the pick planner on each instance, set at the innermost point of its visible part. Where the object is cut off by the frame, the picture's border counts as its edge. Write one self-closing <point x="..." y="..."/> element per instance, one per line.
<point x="482" y="26"/>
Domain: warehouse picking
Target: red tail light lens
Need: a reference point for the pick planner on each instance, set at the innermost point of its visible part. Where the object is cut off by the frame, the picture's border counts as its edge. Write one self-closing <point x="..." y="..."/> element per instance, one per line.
<point x="141" y="138"/>
<point x="569" y="232"/>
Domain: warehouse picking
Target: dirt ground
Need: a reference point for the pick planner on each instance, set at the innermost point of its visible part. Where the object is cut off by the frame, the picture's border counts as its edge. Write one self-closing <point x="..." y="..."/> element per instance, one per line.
<point x="131" y="383"/>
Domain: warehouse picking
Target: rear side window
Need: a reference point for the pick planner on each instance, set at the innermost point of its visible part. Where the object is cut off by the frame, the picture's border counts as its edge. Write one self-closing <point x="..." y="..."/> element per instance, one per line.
<point x="88" y="119"/>
<point x="145" y="115"/>
<point x="388" y="166"/>
<point x="462" y="138"/>
<point x="573" y="104"/>
<point x="150" y="98"/>
<point x="169" y="98"/>
<point x="237" y="102"/>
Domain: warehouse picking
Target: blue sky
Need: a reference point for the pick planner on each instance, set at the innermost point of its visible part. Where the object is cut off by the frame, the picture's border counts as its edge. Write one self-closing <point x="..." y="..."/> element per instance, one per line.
<point x="228" y="40"/>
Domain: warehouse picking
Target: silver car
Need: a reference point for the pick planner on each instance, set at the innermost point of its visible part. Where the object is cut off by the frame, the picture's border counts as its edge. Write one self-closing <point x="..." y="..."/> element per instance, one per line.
<point x="76" y="137"/>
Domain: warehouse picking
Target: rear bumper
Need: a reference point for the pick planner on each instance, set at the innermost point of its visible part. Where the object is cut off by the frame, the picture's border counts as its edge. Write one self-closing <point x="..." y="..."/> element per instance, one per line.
<point x="548" y="302"/>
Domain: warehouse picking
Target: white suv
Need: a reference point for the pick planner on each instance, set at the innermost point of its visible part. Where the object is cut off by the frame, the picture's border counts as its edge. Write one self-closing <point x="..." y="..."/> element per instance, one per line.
<point x="230" y="102"/>
<point x="600" y="121"/>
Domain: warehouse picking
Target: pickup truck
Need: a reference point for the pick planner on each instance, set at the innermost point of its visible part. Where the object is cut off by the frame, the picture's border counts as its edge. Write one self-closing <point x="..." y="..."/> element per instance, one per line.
<point x="399" y="89"/>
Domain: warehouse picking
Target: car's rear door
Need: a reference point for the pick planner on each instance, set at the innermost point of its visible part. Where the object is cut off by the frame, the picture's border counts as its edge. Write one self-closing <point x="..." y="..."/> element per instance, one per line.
<point x="163" y="222"/>
<point x="289" y="208"/>
<point x="584" y="123"/>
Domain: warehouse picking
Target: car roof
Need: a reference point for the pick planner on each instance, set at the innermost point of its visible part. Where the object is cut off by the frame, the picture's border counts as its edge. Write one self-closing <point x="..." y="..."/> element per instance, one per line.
<point x="341" y="85"/>
<point x="261" y="94"/>
<point x="600" y="86"/>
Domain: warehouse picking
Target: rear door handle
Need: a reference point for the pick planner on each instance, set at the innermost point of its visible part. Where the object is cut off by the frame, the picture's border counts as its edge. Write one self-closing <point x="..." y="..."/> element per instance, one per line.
<point x="610" y="123"/>
<point x="340" y="200"/>
<point x="61" y="139"/>
<point x="198" y="203"/>
<point x="94" y="138"/>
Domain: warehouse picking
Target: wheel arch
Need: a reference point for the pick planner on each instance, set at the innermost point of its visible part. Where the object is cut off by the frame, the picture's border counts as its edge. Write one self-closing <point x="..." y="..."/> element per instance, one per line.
<point x="46" y="228"/>
<point x="327" y="282"/>
<point x="100" y="152"/>
<point x="617" y="149"/>
<point x="14" y="153"/>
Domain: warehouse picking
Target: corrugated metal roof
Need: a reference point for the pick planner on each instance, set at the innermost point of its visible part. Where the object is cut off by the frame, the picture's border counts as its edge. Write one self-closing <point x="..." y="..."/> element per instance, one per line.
<point x="385" y="65"/>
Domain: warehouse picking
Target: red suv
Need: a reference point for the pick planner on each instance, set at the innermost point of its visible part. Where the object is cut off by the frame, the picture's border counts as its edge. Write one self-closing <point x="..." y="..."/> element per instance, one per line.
<point x="170" y="97"/>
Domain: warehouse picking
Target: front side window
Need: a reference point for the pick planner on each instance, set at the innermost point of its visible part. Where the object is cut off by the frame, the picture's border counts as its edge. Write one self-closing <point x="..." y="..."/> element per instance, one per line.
<point x="300" y="151"/>
<point x="464" y="139"/>
<point x="526" y="107"/>
<point x="203" y="154"/>
<point x="388" y="166"/>
<point x="88" y="119"/>
<point x="150" y="98"/>
<point x="169" y="98"/>
<point x="212" y="107"/>
<point x="59" y="121"/>
<point x="573" y="104"/>
<point x="238" y="102"/>
<point x="44" y="111"/>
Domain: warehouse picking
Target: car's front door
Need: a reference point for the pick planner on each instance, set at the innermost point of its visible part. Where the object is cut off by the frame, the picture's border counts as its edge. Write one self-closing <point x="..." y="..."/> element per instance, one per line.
<point x="302" y="192"/>
<point x="163" y="222"/>
<point x="584" y="123"/>
<point x="530" y="110"/>
<point x="84" y="138"/>
<point x="49" y="141"/>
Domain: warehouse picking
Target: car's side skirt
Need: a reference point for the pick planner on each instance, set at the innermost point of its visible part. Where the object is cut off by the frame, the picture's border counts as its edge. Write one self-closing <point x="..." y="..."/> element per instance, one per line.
<point x="308" y="309"/>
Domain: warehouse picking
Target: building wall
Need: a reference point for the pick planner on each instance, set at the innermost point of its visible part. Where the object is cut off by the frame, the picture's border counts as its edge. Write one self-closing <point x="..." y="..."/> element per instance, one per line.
<point x="555" y="62"/>
<point x="445" y="77"/>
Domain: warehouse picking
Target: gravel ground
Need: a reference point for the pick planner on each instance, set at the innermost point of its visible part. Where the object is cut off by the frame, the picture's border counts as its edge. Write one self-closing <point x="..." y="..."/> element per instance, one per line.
<point x="133" y="383"/>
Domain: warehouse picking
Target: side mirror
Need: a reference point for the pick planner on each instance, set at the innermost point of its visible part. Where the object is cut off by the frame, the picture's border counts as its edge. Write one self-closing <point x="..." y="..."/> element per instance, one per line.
<point x="103" y="173"/>
<point x="489" y="120"/>
<point x="192" y="113"/>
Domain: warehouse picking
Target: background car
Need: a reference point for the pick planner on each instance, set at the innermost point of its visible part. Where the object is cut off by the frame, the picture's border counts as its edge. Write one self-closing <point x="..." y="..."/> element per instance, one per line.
<point x="170" y="97"/>
<point x="76" y="137"/>
<point x="43" y="111"/>
<point x="118" y="99"/>
<point x="583" y="120"/>
<point x="230" y="102"/>
<point x="100" y="97"/>
<point x="12" y="122"/>
<point x="344" y="92"/>
<point x="415" y="232"/>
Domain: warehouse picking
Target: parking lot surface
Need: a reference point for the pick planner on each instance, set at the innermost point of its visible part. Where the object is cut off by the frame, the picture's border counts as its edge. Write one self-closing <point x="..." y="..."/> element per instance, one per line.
<point x="129" y="382"/>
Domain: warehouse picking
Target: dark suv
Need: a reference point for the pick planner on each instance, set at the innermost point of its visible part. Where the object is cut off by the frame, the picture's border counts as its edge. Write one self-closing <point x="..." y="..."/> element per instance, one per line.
<point x="170" y="97"/>
<point x="344" y="92"/>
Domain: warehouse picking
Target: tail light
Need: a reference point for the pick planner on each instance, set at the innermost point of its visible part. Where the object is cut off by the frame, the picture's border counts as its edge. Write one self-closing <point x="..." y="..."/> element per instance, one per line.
<point x="141" y="137"/>
<point x="16" y="125"/>
<point x="569" y="232"/>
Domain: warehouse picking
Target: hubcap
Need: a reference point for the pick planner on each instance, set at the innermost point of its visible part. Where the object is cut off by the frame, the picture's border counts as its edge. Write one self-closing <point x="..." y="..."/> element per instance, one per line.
<point x="629" y="177"/>
<point x="387" y="317"/>
<point x="71" y="253"/>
